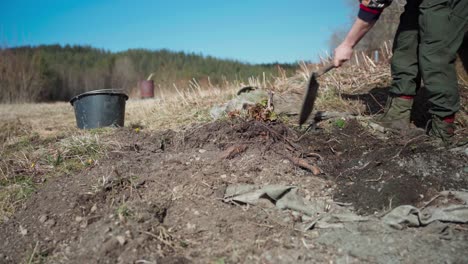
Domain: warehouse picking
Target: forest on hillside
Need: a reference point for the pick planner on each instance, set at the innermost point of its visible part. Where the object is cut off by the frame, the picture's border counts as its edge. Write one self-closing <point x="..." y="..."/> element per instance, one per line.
<point x="57" y="73"/>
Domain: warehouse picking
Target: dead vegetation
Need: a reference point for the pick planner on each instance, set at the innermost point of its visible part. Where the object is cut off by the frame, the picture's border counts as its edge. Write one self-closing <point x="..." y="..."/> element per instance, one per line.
<point x="28" y="160"/>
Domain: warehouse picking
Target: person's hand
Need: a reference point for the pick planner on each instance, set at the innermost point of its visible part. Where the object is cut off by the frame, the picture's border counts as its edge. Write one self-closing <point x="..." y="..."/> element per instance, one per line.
<point x="343" y="54"/>
<point x="365" y="2"/>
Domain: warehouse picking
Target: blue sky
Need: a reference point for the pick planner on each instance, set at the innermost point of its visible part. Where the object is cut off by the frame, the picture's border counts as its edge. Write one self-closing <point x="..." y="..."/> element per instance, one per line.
<point x="254" y="31"/>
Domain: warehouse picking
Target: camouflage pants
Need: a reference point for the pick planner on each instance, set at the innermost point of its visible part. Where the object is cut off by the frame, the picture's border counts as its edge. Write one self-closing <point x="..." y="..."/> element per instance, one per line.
<point x="425" y="46"/>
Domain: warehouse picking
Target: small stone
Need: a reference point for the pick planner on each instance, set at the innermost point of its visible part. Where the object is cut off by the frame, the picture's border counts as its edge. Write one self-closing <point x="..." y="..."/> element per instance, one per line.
<point x="94" y="208"/>
<point x="224" y="176"/>
<point x="84" y="224"/>
<point x="50" y="223"/>
<point x="202" y="150"/>
<point x="43" y="219"/>
<point x="23" y="231"/>
<point x="121" y="240"/>
<point x="286" y="161"/>
<point x="191" y="226"/>
<point x="78" y="219"/>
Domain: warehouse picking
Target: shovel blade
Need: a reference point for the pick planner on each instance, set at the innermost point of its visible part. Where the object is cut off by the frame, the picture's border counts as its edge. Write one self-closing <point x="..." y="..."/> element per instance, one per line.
<point x="309" y="100"/>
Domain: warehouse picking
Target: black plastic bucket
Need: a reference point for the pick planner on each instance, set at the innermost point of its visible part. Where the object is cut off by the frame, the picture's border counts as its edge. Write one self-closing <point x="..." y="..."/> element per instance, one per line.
<point x="100" y="108"/>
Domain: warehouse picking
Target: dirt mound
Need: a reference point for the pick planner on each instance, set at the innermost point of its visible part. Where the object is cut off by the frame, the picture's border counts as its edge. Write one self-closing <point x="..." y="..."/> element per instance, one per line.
<point x="376" y="175"/>
<point x="158" y="197"/>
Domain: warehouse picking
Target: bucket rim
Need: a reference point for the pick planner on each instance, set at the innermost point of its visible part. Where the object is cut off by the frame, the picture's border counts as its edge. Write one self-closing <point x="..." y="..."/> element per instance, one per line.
<point x="100" y="92"/>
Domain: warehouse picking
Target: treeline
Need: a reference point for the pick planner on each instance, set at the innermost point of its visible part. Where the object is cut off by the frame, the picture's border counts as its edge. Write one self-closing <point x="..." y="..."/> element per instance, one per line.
<point x="57" y="73"/>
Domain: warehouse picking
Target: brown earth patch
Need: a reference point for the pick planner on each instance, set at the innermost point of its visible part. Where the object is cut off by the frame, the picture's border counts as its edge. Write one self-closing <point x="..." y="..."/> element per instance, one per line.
<point x="158" y="197"/>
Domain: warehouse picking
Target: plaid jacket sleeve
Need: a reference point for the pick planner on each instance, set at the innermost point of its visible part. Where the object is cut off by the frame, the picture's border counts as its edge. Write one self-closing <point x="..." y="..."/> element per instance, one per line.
<point x="370" y="10"/>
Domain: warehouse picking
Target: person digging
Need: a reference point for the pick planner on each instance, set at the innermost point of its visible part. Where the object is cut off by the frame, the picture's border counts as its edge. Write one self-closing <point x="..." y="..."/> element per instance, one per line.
<point x="425" y="46"/>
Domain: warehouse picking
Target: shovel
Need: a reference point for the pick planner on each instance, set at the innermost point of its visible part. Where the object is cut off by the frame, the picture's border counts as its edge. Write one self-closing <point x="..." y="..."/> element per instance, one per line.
<point x="311" y="93"/>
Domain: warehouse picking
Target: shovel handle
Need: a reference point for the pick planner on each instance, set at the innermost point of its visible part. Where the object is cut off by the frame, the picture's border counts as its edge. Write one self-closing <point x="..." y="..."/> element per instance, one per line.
<point x="324" y="69"/>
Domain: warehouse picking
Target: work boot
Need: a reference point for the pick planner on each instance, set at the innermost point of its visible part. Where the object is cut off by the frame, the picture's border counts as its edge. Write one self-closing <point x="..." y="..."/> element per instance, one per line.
<point x="443" y="129"/>
<point x="396" y="116"/>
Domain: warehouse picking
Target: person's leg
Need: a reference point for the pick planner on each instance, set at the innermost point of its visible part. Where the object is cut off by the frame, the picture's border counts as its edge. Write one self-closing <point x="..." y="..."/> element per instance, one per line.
<point x="405" y="61"/>
<point x="442" y="27"/>
<point x="405" y="71"/>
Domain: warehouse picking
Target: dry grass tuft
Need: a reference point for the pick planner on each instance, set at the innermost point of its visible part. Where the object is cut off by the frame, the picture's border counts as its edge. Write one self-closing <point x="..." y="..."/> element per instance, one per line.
<point x="13" y="129"/>
<point x="81" y="147"/>
<point x="14" y="194"/>
<point x="28" y="160"/>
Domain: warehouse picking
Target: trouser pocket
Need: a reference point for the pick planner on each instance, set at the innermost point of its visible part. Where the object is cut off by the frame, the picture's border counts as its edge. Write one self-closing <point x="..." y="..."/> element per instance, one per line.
<point x="431" y="3"/>
<point x="460" y="9"/>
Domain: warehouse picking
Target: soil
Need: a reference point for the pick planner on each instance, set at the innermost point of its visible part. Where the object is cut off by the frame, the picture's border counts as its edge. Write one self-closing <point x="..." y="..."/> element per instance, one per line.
<point x="158" y="199"/>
